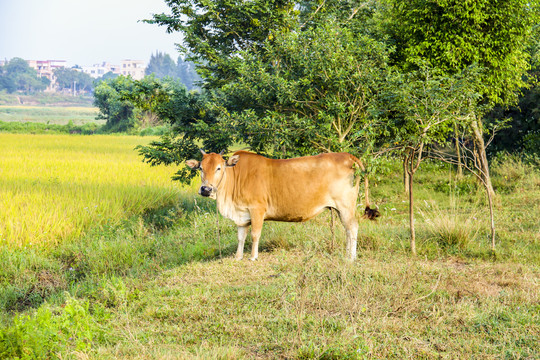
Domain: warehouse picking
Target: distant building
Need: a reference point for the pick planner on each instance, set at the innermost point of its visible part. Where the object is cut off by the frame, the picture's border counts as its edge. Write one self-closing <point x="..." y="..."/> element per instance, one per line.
<point x="45" y="68"/>
<point x="135" y="68"/>
<point x="98" y="70"/>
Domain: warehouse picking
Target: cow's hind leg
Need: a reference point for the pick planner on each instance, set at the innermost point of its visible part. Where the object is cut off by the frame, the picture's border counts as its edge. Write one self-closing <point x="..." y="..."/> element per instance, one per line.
<point x="257" y="219"/>
<point x="242" y="233"/>
<point x="348" y="218"/>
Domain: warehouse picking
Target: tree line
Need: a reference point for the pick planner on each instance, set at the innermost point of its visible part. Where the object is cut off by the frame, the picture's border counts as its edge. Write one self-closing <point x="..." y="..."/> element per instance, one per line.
<point x="17" y="75"/>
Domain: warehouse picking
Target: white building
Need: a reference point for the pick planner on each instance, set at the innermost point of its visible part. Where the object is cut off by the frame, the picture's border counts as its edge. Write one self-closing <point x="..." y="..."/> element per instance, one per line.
<point x="98" y="70"/>
<point x="135" y="68"/>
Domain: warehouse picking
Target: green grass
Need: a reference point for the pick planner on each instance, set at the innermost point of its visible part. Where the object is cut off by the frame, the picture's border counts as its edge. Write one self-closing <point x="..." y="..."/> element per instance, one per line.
<point x="50" y="115"/>
<point x="154" y="286"/>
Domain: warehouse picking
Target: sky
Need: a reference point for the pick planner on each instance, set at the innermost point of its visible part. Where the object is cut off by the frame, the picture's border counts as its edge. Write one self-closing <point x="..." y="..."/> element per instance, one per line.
<point x="83" y="32"/>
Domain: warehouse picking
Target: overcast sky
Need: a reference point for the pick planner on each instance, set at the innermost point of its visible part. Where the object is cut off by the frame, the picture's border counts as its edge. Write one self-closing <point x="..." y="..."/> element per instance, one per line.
<point x="83" y="32"/>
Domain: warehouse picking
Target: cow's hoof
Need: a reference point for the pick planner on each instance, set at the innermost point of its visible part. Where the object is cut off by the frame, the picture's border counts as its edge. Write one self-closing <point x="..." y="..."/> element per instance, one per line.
<point x="238" y="258"/>
<point x="252" y="258"/>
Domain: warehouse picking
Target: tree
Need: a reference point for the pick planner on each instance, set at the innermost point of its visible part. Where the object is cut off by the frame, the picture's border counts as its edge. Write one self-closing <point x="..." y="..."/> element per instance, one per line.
<point x="293" y="98"/>
<point x="73" y="79"/>
<point x="426" y="104"/>
<point x="214" y="32"/>
<point x="161" y="65"/>
<point x="452" y="35"/>
<point x="186" y="72"/>
<point x="110" y="98"/>
<point x="18" y="75"/>
<point x="192" y="116"/>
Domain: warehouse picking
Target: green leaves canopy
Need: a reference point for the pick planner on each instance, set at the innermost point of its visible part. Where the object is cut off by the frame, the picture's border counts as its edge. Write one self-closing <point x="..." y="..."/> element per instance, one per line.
<point x="308" y="92"/>
<point x="452" y="35"/>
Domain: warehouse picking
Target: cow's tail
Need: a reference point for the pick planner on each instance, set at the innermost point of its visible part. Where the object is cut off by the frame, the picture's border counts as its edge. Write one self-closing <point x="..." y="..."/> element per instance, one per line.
<point x="369" y="213"/>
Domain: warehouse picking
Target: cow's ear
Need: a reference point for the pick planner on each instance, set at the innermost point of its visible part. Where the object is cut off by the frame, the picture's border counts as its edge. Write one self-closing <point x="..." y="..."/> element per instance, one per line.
<point x="194" y="164"/>
<point x="233" y="160"/>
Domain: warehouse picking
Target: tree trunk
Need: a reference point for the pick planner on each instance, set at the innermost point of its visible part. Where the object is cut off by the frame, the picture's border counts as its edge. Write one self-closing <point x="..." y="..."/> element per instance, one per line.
<point x="411" y="214"/>
<point x="482" y="157"/>
<point x="458" y="151"/>
<point x="484" y="173"/>
<point x="405" y="176"/>
<point x="492" y="219"/>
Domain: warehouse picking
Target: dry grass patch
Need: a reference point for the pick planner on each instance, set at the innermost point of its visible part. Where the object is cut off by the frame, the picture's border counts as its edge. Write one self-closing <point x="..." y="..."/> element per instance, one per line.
<point x="305" y="305"/>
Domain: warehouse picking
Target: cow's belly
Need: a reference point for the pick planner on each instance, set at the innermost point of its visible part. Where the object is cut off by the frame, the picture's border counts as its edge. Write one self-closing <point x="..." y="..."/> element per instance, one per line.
<point x="294" y="214"/>
<point x="240" y="215"/>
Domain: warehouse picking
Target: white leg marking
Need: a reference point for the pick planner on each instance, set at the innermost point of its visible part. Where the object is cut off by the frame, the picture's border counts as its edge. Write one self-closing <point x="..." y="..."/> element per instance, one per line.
<point x="242" y="233"/>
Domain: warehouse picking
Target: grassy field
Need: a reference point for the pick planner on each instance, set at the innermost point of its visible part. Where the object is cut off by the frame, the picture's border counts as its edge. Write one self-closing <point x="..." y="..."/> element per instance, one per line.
<point x="154" y="286"/>
<point x="54" y="187"/>
<point x="44" y="99"/>
<point x="78" y="115"/>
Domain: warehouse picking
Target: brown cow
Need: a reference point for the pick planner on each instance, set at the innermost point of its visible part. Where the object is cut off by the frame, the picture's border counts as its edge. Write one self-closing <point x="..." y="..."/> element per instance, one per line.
<point x="250" y="189"/>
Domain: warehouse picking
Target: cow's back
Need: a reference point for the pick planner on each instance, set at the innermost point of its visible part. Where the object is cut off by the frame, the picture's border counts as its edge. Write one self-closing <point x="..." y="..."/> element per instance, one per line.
<point x="293" y="189"/>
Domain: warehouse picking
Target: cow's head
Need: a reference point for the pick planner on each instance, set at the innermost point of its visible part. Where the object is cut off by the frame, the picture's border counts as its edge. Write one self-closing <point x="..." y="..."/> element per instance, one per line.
<point x="212" y="169"/>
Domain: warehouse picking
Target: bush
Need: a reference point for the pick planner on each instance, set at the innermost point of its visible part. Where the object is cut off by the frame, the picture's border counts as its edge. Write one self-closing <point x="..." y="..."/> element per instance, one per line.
<point x="155" y="131"/>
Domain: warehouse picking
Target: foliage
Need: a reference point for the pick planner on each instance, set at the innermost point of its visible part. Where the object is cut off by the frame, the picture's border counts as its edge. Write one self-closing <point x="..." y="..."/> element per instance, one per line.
<point x="453" y="35"/>
<point x="426" y="103"/>
<point x="162" y="65"/>
<point x="191" y="116"/>
<point x="110" y="98"/>
<point x="262" y="91"/>
<point x="214" y="32"/>
<point x="17" y="75"/>
<point x="426" y="106"/>
<point x="522" y="132"/>
<point x="186" y="72"/>
<point x="298" y="100"/>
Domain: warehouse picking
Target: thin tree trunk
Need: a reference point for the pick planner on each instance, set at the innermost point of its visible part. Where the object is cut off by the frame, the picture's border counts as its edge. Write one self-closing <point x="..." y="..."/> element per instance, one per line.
<point x="492" y="219"/>
<point x="482" y="157"/>
<point x="458" y="150"/>
<point x="405" y="176"/>
<point x="411" y="214"/>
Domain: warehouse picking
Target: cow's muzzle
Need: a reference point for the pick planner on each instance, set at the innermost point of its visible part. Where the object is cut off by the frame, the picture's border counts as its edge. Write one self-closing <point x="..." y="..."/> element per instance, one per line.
<point x="205" y="191"/>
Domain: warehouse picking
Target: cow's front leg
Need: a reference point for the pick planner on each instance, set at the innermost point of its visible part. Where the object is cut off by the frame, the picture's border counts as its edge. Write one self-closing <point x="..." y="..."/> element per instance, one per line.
<point x="242" y="233"/>
<point x="257" y="219"/>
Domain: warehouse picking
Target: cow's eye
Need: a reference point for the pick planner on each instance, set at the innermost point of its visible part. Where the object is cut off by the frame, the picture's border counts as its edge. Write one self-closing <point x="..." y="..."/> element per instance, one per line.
<point x="218" y="168"/>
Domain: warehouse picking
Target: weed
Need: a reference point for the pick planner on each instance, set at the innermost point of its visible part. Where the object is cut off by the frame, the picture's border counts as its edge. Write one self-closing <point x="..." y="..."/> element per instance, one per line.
<point x="450" y="228"/>
<point x="43" y="333"/>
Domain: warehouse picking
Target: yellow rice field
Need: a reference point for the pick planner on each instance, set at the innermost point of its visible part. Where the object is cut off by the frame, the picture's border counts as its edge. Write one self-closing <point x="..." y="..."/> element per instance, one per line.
<point x="54" y="187"/>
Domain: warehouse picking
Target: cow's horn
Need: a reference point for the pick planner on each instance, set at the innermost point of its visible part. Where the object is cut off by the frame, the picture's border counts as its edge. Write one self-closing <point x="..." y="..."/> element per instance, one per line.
<point x="202" y="151"/>
<point x="222" y="152"/>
